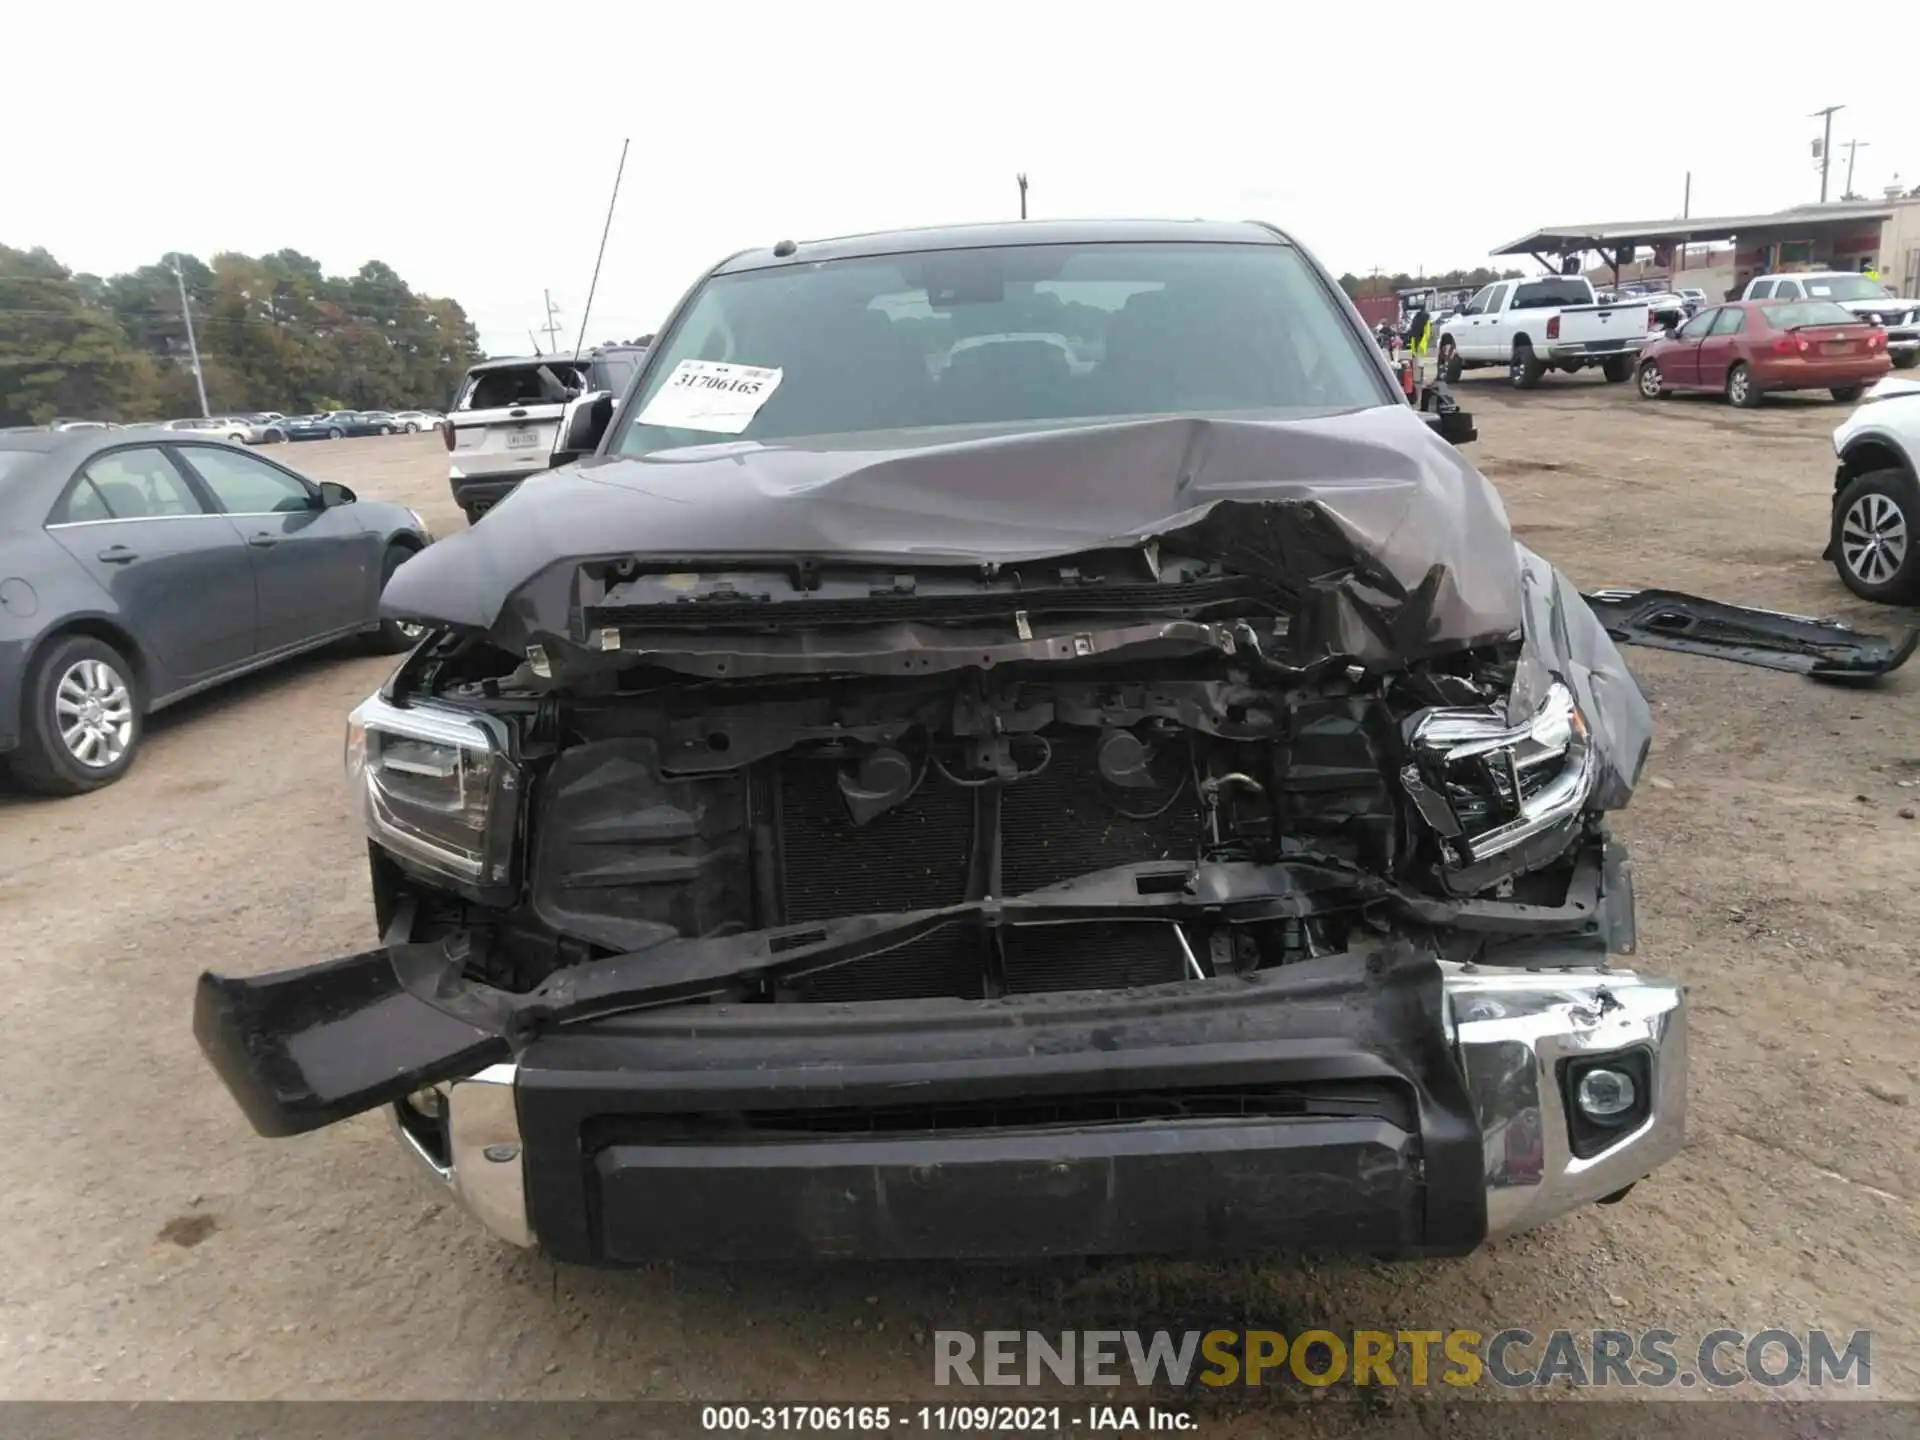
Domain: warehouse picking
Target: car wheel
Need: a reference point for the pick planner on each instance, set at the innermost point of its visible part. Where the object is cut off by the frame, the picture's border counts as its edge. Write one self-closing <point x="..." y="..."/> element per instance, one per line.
<point x="1873" y="540"/>
<point x="275" y="437"/>
<point x="1526" y="368"/>
<point x="1906" y="361"/>
<point x="1451" y="366"/>
<point x="1846" y="394"/>
<point x="386" y="429"/>
<point x="82" y="719"/>
<point x="1617" y="368"/>
<point x="394" y="636"/>
<point x="334" y="432"/>
<point x="1652" y="386"/>
<point x="411" y="427"/>
<point x="1741" y="387"/>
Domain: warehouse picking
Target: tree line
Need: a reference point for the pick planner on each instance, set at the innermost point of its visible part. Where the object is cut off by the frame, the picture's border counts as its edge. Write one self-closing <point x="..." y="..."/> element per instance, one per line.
<point x="275" y="333"/>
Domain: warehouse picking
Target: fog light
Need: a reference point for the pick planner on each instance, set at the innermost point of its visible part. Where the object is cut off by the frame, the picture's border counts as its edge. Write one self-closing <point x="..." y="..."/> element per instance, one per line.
<point x="1605" y="1096"/>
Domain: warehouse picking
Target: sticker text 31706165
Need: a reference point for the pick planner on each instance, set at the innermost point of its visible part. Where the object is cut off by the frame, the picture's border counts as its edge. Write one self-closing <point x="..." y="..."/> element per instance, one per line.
<point x="711" y="395"/>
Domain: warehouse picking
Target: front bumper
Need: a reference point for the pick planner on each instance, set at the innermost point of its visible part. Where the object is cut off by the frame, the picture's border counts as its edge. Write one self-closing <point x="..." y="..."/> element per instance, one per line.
<point x="1407" y="1109"/>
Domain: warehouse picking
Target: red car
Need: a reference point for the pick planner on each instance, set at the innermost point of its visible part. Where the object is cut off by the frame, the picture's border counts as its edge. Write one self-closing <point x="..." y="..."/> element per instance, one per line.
<point x="1750" y="347"/>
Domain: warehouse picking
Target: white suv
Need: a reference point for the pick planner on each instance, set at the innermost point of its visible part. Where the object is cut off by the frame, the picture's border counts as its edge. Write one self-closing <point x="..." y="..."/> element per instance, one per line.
<point x="508" y="417"/>
<point x="1871" y="300"/>
<point x="1874" y="541"/>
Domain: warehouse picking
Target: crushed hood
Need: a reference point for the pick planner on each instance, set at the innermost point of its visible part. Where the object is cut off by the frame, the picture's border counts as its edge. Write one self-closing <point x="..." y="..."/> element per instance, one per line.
<point x="1405" y="542"/>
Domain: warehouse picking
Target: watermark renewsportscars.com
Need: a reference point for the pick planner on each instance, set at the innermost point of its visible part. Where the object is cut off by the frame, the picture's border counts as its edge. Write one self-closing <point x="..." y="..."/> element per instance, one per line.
<point x="1510" y="1359"/>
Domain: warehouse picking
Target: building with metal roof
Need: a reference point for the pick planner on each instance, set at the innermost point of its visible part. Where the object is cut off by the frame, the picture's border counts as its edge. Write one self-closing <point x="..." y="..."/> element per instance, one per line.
<point x="1840" y="236"/>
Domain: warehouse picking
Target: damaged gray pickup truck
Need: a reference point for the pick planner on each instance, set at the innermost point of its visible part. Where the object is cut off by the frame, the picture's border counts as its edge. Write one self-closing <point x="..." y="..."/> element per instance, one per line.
<point x="1016" y="741"/>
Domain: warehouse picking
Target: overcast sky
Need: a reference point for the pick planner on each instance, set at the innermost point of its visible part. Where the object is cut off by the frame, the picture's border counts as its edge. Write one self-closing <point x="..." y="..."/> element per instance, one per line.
<point x="472" y="146"/>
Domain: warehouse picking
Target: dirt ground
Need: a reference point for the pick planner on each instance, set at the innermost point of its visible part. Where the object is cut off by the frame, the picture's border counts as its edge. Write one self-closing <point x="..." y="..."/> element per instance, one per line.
<point x="151" y="1246"/>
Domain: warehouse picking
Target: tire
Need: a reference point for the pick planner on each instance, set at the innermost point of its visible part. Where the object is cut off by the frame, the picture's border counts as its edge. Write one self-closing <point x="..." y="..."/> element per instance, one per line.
<point x="1882" y="561"/>
<point x="1906" y="361"/>
<point x="1846" y="394"/>
<point x="334" y="432"/>
<point x="393" y="637"/>
<point x="1452" y="367"/>
<point x="386" y="430"/>
<point x="1525" y="368"/>
<point x="1741" y="391"/>
<point x="77" y="671"/>
<point x="1617" y="368"/>
<point x="1651" y="384"/>
<point x="411" y="427"/>
<point x="274" y="437"/>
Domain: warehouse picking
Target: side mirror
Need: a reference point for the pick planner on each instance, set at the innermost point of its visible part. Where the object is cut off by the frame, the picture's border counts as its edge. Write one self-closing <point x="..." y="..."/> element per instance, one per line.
<point x="333" y="493"/>
<point x="1671" y="332"/>
<point x="584" y="425"/>
<point x="1441" y="411"/>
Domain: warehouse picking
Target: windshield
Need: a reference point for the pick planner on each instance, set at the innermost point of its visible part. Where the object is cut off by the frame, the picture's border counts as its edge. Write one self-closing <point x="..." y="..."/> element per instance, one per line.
<point x="1795" y="313"/>
<point x="1009" y="335"/>
<point x="1845" y="287"/>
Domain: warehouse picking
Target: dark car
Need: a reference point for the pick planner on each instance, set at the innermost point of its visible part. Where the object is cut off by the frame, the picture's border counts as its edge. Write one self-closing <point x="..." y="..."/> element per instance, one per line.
<point x="1019" y="741"/>
<point x="338" y="424"/>
<point x="137" y="569"/>
<point x="1749" y="349"/>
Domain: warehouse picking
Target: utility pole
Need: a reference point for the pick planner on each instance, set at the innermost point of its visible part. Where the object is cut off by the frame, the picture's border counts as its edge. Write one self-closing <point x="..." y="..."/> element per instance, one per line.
<point x="1023" y="194"/>
<point x="1852" y="146"/>
<point x="552" y="327"/>
<point x="1826" y="145"/>
<point x="1686" y="199"/>
<point x="193" y="346"/>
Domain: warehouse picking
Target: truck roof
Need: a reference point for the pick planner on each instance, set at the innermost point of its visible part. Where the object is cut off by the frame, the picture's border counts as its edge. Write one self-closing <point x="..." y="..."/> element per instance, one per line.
<point x="1006" y="232"/>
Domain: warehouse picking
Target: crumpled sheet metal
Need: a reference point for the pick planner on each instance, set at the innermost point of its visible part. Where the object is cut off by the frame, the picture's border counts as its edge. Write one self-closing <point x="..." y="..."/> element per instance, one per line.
<point x="1400" y="545"/>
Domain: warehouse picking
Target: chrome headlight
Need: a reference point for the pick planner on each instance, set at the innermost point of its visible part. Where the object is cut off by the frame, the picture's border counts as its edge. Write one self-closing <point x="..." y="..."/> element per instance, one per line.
<point x="1486" y="785"/>
<point x="437" y="787"/>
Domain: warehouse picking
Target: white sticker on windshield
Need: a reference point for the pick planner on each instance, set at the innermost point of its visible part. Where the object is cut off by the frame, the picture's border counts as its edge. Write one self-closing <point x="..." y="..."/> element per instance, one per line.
<point x="711" y="395"/>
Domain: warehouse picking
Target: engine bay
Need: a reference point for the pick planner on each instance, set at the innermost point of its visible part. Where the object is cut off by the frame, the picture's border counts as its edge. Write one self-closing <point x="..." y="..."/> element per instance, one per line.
<point x="655" y="808"/>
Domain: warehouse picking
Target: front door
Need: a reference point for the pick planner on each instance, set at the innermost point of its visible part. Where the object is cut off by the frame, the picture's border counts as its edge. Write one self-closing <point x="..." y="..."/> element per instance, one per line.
<point x="1496" y="326"/>
<point x="179" y="578"/>
<point x="1681" y="364"/>
<point x="316" y="570"/>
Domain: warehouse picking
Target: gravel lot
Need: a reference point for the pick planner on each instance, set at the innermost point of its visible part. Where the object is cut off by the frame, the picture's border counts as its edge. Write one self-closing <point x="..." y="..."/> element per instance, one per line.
<point x="153" y="1247"/>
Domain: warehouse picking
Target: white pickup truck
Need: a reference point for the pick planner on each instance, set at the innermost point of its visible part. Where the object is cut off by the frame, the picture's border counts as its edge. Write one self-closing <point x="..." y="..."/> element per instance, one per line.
<point x="1531" y="326"/>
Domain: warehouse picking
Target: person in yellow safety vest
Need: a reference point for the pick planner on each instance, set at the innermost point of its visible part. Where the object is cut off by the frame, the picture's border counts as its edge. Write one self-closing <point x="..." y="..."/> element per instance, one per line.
<point x="1419" y="336"/>
<point x="1868" y="269"/>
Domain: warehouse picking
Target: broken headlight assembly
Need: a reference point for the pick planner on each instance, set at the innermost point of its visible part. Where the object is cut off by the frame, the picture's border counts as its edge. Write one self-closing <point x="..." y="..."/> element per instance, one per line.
<point x="438" y="789"/>
<point x="1486" y="785"/>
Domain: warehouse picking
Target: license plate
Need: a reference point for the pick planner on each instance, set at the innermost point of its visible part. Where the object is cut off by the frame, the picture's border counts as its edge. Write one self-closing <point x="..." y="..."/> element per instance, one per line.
<point x="523" y="439"/>
<point x="1837" y="347"/>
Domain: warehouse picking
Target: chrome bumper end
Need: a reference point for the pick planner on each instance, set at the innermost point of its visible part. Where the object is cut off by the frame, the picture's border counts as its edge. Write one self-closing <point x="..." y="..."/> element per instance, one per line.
<point x="1515" y="1034"/>
<point x="472" y="1146"/>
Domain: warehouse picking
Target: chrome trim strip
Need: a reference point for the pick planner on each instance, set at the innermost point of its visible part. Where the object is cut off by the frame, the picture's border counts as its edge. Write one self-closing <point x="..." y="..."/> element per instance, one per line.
<point x="1511" y="1031"/>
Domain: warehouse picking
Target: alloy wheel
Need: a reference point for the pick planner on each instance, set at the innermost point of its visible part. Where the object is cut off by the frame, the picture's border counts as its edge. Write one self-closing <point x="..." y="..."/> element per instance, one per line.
<point x="1873" y="539"/>
<point x="1738" y="384"/>
<point x="94" y="712"/>
<point x="1650" y="380"/>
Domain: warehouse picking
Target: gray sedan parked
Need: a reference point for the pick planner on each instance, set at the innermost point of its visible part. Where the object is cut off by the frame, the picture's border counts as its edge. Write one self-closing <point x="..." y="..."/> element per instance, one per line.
<point x="138" y="568"/>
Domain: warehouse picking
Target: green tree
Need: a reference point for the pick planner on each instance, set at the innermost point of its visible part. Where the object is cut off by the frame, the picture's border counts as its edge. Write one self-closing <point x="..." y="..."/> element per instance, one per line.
<point x="61" y="351"/>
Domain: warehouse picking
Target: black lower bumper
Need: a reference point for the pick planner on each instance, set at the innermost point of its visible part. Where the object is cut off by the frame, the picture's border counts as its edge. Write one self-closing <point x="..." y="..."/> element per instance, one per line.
<point x="1315" y="1107"/>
